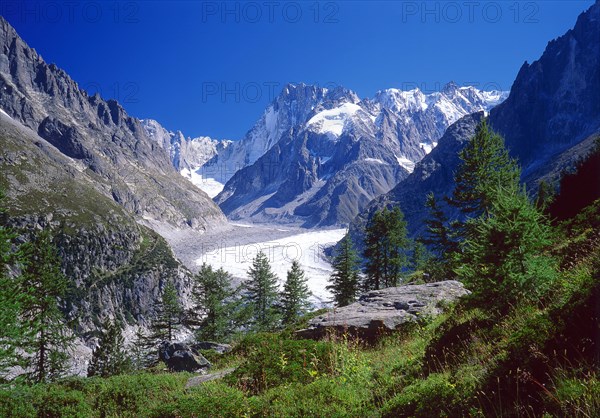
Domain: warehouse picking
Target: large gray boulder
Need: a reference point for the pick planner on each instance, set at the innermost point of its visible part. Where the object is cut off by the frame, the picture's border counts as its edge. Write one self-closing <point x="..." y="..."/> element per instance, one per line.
<point x="179" y="357"/>
<point x="379" y="312"/>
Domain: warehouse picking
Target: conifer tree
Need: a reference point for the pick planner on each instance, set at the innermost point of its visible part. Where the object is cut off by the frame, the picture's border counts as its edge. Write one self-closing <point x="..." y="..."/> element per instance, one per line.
<point x="344" y="280"/>
<point x="10" y="327"/>
<point x="386" y="245"/>
<point x="215" y="302"/>
<point x="168" y="318"/>
<point x="41" y="285"/>
<point x="485" y="166"/>
<point x="295" y="294"/>
<point x="503" y="260"/>
<point x="109" y="357"/>
<point x="262" y="292"/>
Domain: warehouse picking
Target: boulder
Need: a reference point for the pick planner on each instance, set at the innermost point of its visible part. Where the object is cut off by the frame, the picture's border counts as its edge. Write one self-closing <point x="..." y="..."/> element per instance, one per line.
<point x="209" y="345"/>
<point x="198" y="380"/>
<point x="180" y="357"/>
<point x="380" y="312"/>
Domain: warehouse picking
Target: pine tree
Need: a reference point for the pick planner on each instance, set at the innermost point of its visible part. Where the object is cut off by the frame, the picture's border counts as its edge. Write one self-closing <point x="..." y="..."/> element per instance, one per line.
<point x="262" y="293"/>
<point x="386" y="245"/>
<point x="215" y="301"/>
<point x="504" y="260"/>
<point x="295" y="294"/>
<point x="41" y="285"/>
<point x="10" y="327"/>
<point x="168" y="317"/>
<point x="344" y="280"/>
<point x="485" y="166"/>
<point x="109" y="357"/>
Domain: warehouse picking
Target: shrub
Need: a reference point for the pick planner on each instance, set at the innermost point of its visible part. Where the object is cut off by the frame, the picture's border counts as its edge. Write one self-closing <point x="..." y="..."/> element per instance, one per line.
<point x="212" y="399"/>
<point x="271" y="361"/>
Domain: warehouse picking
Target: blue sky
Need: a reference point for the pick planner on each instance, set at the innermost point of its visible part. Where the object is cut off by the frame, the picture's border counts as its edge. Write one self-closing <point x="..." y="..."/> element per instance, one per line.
<point x="211" y="67"/>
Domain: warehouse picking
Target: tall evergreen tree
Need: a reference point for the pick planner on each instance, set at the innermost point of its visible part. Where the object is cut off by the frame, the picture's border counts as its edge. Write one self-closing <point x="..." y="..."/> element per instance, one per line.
<point x="295" y="294"/>
<point x="168" y="318"/>
<point x="485" y="166"/>
<point x="215" y="301"/>
<point x="262" y="293"/>
<point x="10" y="327"/>
<point x="344" y="280"/>
<point x="41" y="285"/>
<point x="109" y="357"/>
<point x="386" y="245"/>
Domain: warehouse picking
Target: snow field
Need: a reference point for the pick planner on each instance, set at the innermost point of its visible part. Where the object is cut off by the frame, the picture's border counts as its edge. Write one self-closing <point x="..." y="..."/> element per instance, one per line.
<point x="307" y="248"/>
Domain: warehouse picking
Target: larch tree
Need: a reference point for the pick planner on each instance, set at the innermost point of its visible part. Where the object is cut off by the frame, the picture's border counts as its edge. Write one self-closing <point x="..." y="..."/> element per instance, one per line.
<point x="386" y="244"/>
<point x="168" y="316"/>
<point x="41" y="285"/>
<point x="294" y="298"/>
<point x="214" y="303"/>
<point x="345" y="279"/>
<point x="262" y="293"/>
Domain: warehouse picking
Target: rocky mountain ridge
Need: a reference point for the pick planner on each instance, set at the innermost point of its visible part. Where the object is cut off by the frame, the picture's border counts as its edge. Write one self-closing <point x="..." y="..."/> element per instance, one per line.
<point x="342" y="153"/>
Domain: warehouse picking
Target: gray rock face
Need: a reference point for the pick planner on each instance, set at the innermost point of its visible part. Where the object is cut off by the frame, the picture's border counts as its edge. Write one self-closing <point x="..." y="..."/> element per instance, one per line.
<point x="180" y="357"/>
<point x="553" y="103"/>
<point x="117" y="267"/>
<point x="128" y="166"/>
<point x="382" y="311"/>
<point x="185" y="153"/>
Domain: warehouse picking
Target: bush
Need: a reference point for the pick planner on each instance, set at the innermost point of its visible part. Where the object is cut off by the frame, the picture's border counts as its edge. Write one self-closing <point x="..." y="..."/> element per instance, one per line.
<point x="271" y="361"/>
<point x="212" y="399"/>
<point x="435" y="396"/>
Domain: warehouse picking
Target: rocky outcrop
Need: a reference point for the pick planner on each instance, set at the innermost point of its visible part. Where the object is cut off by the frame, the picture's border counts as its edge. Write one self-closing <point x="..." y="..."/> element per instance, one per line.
<point x="179" y="357"/>
<point x="198" y="380"/>
<point x="383" y="311"/>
